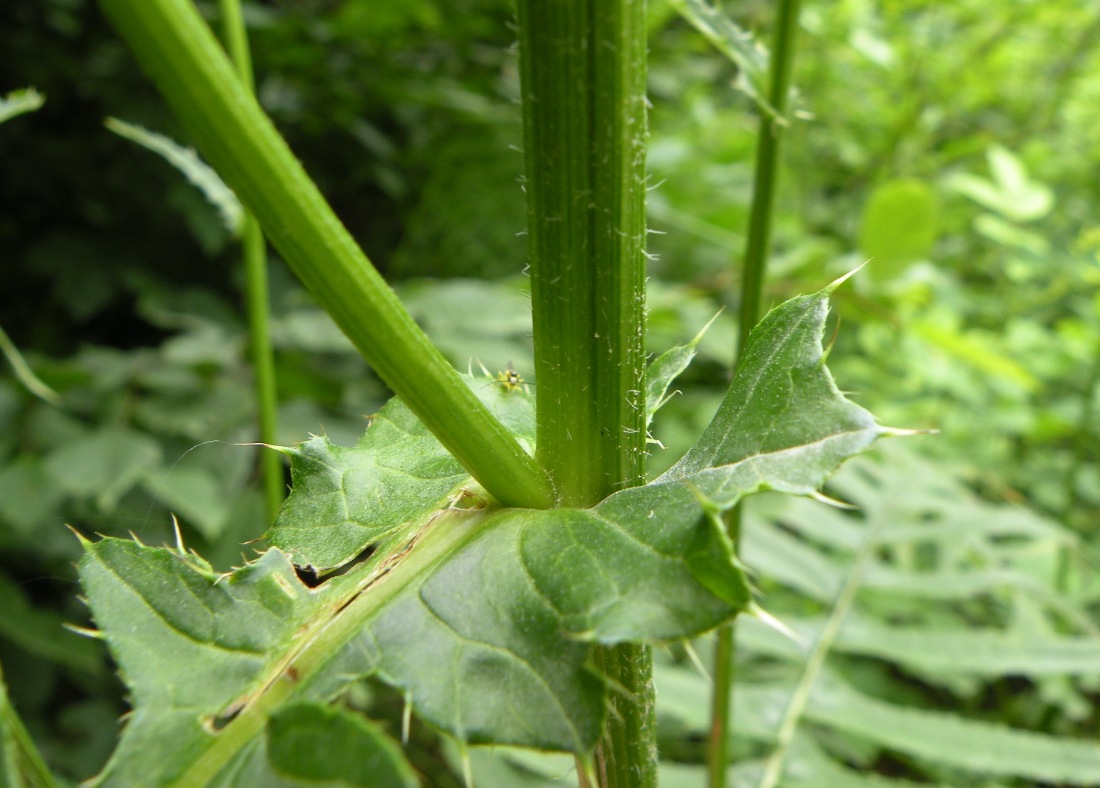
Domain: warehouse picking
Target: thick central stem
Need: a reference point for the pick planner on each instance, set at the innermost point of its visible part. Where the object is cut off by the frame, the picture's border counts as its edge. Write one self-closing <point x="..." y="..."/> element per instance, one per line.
<point x="583" y="70"/>
<point x="582" y="64"/>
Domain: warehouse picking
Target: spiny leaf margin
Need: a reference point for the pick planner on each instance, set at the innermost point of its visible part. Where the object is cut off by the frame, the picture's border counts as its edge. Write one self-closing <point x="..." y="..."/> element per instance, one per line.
<point x="504" y="604"/>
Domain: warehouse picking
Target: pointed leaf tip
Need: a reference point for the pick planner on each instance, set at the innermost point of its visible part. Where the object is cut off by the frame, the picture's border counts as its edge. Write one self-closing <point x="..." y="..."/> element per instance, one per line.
<point x="706" y="327"/>
<point x="84" y="542"/>
<point x="829" y="288"/>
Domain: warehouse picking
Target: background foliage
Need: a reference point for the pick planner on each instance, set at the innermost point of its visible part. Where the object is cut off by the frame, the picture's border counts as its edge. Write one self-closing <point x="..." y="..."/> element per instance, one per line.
<point x="951" y="143"/>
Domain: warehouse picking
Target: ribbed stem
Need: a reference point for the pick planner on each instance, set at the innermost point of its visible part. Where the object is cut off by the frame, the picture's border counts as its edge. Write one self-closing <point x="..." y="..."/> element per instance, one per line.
<point x="177" y="49"/>
<point x="582" y="66"/>
<point x="257" y="301"/>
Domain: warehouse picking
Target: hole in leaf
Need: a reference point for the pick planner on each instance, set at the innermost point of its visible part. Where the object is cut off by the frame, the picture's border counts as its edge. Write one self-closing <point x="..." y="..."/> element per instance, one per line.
<point x="312" y="578"/>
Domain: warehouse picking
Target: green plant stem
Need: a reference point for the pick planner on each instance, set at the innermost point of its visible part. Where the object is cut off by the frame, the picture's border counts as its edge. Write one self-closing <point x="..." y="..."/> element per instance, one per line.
<point x="23" y="372"/>
<point x="257" y="301"/>
<point x="766" y="177"/>
<point x="721" y="699"/>
<point x="757" y="244"/>
<point x="582" y="68"/>
<point x="720" y="706"/>
<point x="177" y="49"/>
<point x="20" y="762"/>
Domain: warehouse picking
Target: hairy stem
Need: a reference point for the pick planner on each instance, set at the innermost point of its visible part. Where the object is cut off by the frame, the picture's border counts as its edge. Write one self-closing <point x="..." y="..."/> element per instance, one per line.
<point x="582" y="65"/>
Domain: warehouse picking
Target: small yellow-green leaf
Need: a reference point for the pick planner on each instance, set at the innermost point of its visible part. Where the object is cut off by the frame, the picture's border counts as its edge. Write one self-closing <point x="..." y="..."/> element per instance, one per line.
<point x="901" y="222"/>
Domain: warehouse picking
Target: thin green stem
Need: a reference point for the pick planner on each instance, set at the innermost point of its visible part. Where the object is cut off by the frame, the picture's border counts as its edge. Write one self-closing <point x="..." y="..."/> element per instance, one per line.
<point x="23" y="372"/>
<point x="257" y="301"/>
<point x="757" y="245"/>
<point x="263" y="362"/>
<point x="236" y="41"/>
<point x="20" y="762"/>
<point x="179" y="52"/>
<point x="720" y="707"/>
<point x="582" y="67"/>
<point x="758" y="241"/>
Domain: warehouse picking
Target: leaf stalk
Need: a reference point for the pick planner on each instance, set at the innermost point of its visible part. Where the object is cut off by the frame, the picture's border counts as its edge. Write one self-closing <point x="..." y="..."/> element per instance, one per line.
<point x="178" y="50"/>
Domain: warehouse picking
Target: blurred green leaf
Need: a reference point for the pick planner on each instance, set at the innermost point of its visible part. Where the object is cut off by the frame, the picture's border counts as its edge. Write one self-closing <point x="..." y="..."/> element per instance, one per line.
<point x="975" y="349"/>
<point x="42" y="633"/>
<point x="29" y="496"/>
<point x="190" y="165"/>
<point x="475" y="322"/>
<point x="970" y="651"/>
<point x="18" y="102"/>
<point x="1011" y="193"/>
<point x="735" y="43"/>
<point x="103" y="465"/>
<point x="197" y="494"/>
<point x="950" y="739"/>
<point x="900" y="225"/>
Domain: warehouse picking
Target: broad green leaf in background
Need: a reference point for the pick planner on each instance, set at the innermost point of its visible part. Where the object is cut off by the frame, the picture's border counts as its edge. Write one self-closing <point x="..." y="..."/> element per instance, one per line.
<point x="980" y="350"/>
<point x="194" y="494"/>
<point x="475" y="322"/>
<point x="971" y="652"/>
<point x="899" y="226"/>
<point x="484" y="617"/>
<point x="1010" y="193"/>
<point x="940" y="554"/>
<point x="104" y="464"/>
<point x="29" y="496"/>
<point x="949" y="739"/>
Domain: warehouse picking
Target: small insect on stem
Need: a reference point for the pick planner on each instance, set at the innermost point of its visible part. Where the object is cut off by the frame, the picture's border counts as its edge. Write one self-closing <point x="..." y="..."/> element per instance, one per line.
<point x="509" y="379"/>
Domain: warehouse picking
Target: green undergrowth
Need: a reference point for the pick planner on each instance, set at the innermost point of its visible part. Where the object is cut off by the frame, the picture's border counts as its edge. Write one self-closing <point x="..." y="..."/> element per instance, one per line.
<point x="484" y="617"/>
